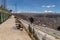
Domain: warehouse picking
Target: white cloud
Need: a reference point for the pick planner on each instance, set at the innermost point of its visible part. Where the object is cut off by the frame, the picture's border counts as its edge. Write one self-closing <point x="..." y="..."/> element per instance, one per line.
<point x="45" y="11"/>
<point x="53" y="5"/>
<point x="43" y="6"/>
<point x="18" y="11"/>
<point x="49" y="6"/>
<point x="28" y="11"/>
<point x="32" y="12"/>
<point x="48" y="11"/>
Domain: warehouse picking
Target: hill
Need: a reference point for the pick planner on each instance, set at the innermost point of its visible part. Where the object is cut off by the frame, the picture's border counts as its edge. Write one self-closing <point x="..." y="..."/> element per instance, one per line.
<point x="51" y="20"/>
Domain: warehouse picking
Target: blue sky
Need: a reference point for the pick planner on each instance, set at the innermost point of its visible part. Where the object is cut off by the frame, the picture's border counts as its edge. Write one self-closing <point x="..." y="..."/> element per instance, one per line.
<point x="34" y="5"/>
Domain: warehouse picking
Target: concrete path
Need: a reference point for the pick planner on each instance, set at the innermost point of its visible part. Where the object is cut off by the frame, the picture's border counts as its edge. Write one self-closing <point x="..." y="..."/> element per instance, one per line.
<point x="9" y="32"/>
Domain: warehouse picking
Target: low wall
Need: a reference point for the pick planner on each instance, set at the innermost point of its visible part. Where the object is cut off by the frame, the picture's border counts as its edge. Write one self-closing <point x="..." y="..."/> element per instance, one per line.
<point x="42" y="33"/>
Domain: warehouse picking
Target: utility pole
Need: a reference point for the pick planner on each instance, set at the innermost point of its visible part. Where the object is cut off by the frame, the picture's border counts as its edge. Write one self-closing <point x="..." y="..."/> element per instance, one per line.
<point x="15" y="5"/>
<point x="3" y="3"/>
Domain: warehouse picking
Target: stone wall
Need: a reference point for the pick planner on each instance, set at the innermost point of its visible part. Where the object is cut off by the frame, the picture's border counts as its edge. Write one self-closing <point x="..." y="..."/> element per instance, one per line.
<point x="42" y="33"/>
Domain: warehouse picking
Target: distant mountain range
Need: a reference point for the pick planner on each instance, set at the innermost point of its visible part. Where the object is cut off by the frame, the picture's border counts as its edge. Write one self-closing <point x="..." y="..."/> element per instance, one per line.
<point x="39" y="14"/>
<point x="51" y="20"/>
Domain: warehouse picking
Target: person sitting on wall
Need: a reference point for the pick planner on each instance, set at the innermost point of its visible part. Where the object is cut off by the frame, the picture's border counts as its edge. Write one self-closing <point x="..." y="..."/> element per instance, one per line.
<point x="31" y="20"/>
<point x="58" y="28"/>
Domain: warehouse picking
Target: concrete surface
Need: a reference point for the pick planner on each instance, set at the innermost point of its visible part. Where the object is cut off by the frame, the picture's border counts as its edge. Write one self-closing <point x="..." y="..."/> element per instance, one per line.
<point x="9" y="32"/>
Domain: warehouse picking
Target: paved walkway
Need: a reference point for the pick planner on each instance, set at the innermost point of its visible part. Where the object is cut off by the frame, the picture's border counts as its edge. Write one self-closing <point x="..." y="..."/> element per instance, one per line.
<point x="8" y="31"/>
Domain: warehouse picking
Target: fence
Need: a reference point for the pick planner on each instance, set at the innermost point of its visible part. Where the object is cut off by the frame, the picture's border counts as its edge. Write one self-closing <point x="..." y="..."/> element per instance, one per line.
<point x="3" y="17"/>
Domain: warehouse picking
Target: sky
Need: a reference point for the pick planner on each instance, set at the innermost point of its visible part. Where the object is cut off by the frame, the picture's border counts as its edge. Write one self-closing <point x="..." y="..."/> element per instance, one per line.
<point x="33" y="5"/>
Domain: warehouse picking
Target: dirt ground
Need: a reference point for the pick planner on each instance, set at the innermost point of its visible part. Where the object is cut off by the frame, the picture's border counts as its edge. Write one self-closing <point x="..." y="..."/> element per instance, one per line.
<point x="9" y="32"/>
